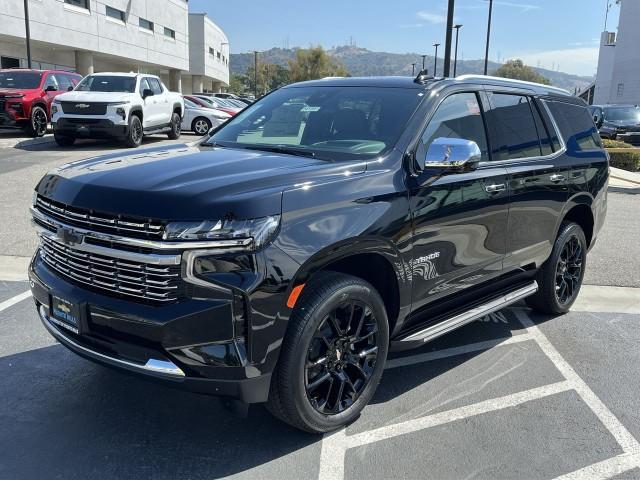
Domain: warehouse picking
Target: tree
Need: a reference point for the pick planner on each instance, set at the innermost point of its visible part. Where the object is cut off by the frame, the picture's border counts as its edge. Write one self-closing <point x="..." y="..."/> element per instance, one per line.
<point x="517" y="70"/>
<point x="314" y="63"/>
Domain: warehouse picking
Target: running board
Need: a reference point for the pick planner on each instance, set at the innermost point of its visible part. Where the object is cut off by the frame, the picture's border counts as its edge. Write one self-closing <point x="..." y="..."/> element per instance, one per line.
<point x="475" y="313"/>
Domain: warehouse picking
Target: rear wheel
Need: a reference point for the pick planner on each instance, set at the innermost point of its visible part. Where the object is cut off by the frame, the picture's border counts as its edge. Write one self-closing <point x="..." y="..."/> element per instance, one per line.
<point x="37" y="126"/>
<point x="63" y="140"/>
<point x="134" y="134"/>
<point x="333" y="354"/>
<point x="176" y="127"/>
<point x="560" y="278"/>
<point x="201" y="126"/>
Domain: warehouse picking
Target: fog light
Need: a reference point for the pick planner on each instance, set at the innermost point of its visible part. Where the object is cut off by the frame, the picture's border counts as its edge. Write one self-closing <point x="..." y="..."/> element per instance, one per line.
<point x="120" y="111"/>
<point x="54" y="109"/>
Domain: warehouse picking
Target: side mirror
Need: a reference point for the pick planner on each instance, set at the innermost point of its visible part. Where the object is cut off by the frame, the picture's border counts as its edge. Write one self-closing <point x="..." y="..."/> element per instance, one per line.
<point x="147" y="92"/>
<point x="70" y="88"/>
<point x="453" y="155"/>
<point x="597" y="119"/>
<point x="50" y="88"/>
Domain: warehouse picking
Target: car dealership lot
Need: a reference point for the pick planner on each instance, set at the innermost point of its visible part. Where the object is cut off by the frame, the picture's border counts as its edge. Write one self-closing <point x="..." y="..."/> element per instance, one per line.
<point x="515" y="395"/>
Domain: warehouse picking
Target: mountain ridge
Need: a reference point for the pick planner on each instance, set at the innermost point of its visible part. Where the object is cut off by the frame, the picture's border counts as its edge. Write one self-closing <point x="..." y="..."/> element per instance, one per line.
<point x="363" y="62"/>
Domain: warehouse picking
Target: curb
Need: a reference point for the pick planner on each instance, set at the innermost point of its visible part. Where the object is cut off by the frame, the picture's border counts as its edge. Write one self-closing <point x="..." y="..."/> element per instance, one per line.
<point x="620" y="174"/>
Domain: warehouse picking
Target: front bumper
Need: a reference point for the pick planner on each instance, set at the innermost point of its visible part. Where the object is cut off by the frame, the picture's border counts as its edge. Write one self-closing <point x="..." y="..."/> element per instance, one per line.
<point x="89" y="128"/>
<point x="157" y="342"/>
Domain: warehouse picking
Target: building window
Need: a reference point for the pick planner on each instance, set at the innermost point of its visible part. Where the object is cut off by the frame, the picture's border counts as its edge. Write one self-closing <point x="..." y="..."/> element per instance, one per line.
<point x="115" y="13"/>
<point x="146" y="24"/>
<point x="169" y="33"/>
<point x="218" y="55"/>
<point x="620" y="89"/>
<point x="212" y="51"/>
<point x="78" y="3"/>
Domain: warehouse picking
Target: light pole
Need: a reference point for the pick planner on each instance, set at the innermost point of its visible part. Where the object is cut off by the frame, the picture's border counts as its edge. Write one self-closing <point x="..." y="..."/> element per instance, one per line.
<point x="486" y="53"/>
<point x="435" y="60"/>
<point x="455" y="60"/>
<point x="27" y="31"/>
<point x="423" y="58"/>
<point x="255" y="74"/>
<point x="413" y="69"/>
<point x="447" y="41"/>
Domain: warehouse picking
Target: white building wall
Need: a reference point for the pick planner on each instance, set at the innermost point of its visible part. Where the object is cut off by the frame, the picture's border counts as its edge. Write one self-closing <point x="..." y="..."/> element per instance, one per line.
<point x="605" y="68"/>
<point x="208" y="55"/>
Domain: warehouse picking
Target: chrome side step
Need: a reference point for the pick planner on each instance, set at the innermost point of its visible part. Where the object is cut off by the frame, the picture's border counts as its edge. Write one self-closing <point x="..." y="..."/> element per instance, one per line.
<point x="480" y="311"/>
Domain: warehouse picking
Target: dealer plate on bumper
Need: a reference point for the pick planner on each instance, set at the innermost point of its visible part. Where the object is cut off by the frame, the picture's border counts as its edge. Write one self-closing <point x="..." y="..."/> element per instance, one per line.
<point x="65" y="314"/>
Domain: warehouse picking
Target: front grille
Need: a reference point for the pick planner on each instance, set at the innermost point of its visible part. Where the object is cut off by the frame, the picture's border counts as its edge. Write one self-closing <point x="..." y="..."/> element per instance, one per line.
<point x="122" y="278"/>
<point x="84" y="108"/>
<point x="101" y="222"/>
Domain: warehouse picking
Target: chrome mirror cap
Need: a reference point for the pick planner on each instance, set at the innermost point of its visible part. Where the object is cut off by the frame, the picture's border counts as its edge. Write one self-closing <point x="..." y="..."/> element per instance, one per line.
<point x="452" y="154"/>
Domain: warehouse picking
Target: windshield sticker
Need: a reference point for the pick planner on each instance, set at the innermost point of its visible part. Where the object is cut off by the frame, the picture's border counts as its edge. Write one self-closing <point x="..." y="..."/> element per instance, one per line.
<point x="310" y="109"/>
<point x="473" y="108"/>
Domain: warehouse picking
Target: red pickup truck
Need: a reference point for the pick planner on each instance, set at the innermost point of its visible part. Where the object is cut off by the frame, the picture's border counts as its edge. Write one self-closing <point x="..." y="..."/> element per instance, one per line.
<point x="26" y="96"/>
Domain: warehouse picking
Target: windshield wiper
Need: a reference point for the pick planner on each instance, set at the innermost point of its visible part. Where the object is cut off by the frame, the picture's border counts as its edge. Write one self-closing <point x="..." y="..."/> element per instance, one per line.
<point x="300" y="152"/>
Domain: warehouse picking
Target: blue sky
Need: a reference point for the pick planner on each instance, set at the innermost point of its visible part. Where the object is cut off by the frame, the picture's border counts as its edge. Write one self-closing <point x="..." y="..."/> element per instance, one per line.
<point x="541" y="32"/>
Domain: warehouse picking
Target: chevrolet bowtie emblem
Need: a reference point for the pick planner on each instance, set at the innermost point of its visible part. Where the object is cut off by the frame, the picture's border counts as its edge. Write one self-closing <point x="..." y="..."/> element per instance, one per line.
<point x="64" y="308"/>
<point x="82" y="105"/>
<point x="68" y="236"/>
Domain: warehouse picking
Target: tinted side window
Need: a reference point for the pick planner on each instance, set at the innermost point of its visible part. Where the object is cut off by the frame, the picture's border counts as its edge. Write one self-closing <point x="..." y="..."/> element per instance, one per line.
<point x="64" y="81"/>
<point x="458" y="116"/>
<point x="576" y="126"/>
<point x="51" y="81"/>
<point x="155" y="86"/>
<point x="553" y="134"/>
<point x="543" y="131"/>
<point x="512" y="127"/>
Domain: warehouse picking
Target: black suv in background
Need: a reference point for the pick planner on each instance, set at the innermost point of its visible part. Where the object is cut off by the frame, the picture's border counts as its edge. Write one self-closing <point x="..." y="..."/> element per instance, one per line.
<point x="617" y="122"/>
<point x="283" y="257"/>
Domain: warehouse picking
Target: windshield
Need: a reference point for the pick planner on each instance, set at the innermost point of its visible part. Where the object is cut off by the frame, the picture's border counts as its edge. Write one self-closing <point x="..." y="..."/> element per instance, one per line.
<point x="623" y="114"/>
<point x="336" y="123"/>
<point x="20" y="80"/>
<point x="105" y="83"/>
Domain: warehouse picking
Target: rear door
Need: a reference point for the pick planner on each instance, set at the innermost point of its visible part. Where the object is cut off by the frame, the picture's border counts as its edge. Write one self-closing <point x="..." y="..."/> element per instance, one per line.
<point x="525" y="142"/>
<point x="459" y="219"/>
<point x="161" y="105"/>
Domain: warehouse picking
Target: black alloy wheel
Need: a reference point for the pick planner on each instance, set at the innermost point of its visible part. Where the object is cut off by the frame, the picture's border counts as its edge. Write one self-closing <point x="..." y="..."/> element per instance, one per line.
<point x="341" y="358"/>
<point x="569" y="270"/>
<point x="38" y="123"/>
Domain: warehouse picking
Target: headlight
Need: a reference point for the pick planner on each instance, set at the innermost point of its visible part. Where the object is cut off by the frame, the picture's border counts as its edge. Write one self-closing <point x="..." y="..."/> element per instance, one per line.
<point x="247" y="234"/>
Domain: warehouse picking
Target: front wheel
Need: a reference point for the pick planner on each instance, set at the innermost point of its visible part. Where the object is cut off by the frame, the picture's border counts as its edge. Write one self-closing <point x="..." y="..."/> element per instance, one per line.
<point x="333" y="354"/>
<point x="560" y="278"/>
<point x="135" y="133"/>
<point x="176" y="127"/>
<point x="37" y="126"/>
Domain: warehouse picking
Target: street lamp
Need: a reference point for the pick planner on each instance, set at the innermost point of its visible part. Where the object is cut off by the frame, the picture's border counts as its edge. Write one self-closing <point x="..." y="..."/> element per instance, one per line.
<point x="255" y="74"/>
<point x="423" y="57"/>
<point x="486" y="54"/>
<point x="413" y="69"/>
<point x="435" y="60"/>
<point x="455" y="60"/>
<point x="447" y="38"/>
<point x="27" y="32"/>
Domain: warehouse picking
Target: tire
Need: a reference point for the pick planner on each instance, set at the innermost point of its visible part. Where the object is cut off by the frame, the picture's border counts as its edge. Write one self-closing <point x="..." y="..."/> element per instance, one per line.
<point x="134" y="135"/>
<point x="560" y="277"/>
<point x="300" y="384"/>
<point x="201" y="126"/>
<point x="63" y="140"/>
<point x="38" y="120"/>
<point x="176" y="127"/>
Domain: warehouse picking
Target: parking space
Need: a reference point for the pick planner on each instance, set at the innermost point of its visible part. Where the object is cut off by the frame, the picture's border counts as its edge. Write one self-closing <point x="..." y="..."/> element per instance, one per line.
<point x="515" y="395"/>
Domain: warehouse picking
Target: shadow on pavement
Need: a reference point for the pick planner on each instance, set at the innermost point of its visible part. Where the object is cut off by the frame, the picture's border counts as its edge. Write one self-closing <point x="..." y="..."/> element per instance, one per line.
<point x="68" y="418"/>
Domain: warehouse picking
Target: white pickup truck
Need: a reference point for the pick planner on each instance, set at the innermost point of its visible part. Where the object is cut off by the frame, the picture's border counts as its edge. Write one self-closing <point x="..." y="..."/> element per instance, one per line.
<point x="126" y="106"/>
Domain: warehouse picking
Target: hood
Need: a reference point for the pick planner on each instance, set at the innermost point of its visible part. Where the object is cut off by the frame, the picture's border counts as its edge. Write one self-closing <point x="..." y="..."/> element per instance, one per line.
<point x="186" y="182"/>
<point x="93" y="96"/>
<point x="17" y="92"/>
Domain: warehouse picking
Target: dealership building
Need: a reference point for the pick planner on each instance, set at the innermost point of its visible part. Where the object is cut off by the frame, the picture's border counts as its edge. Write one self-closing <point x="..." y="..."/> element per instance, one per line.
<point x="189" y="51"/>
<point x="618" y="77"/>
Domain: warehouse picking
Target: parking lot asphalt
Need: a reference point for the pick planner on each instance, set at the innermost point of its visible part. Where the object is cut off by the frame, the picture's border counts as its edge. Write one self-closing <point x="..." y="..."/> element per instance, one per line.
<point x="514" y="395"/>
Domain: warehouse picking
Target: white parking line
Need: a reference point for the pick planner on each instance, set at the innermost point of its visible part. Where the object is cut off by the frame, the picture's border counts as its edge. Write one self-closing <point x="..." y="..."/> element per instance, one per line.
<point x="13" y="300"/>
<point x="605" y="469"/>
<point x="451" y="352"/>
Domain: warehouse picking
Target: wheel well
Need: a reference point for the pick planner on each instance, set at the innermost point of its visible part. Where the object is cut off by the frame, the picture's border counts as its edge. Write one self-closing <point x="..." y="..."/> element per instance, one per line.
<point x="581" y="214"/>
<point x="177" y="109"/>
<point x="376" y="270"/>
<point x="137" y="113"/>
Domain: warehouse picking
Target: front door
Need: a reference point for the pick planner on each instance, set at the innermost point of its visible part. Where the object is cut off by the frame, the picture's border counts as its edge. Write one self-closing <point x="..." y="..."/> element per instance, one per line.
<point x="459" y="219"/>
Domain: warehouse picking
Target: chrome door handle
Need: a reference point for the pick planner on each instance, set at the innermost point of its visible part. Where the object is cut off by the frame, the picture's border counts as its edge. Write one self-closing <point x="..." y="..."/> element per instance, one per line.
<point x="500" y="187"/>
<point x="557" y="177"/>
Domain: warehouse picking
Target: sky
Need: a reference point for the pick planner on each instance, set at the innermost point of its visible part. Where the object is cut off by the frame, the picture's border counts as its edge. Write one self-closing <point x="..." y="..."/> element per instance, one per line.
<point x="555" y="34"/>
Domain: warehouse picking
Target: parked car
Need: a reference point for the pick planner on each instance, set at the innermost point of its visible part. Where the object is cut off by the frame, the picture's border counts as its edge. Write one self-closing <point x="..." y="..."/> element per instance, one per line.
<point x="224" y="95"/>
<point x="26" y="96"/>
<point x="205" y="103"/>
<point x="282" y="258"/>
<point x="125" y="106"/>
<point x="617" y="122"/>
<point x="219" y="103"/>
<point x="245" y="100"/>
<point x="200" y="119"/>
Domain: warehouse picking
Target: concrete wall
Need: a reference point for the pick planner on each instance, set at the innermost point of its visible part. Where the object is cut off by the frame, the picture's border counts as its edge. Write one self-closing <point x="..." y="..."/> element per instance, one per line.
<point x="212" y="67"/>
<point x="605" y="69"/>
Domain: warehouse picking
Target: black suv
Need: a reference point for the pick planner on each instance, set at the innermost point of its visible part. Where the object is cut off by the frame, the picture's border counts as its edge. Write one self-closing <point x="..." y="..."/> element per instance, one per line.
<point x="617" y="122"/>
<point x="332" y="221"/>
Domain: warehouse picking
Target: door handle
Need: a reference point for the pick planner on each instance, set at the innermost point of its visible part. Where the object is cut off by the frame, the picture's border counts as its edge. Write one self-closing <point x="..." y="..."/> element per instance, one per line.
<point x="495" y="188"/>
<point x="557" y="177"/>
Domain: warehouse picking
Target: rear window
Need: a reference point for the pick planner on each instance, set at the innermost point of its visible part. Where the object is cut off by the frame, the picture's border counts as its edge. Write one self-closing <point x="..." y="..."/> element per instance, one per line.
<point x="576" y="125"/>
<point x="512" y="127"/>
